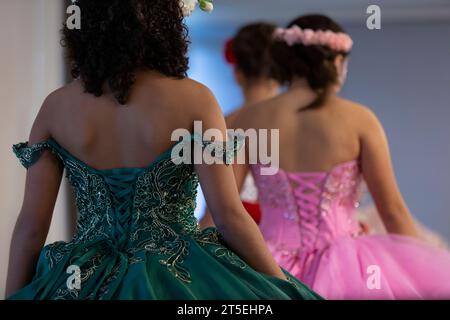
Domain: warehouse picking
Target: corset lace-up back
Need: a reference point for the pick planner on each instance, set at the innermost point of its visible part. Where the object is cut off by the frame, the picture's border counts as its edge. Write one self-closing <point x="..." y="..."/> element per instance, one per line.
<point x="312" y="207"/>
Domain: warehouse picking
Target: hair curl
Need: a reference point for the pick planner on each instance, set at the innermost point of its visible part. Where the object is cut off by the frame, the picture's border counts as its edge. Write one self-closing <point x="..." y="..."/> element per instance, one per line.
<point x="119" y="37"/>
<point x="315" y="63"/>
<point x="251" y="50"/>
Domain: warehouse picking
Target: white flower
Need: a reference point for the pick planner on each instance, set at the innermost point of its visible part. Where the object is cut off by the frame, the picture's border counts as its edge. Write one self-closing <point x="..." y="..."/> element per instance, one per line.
<point x="206" y="5"/>
<point x="188" y="6"/>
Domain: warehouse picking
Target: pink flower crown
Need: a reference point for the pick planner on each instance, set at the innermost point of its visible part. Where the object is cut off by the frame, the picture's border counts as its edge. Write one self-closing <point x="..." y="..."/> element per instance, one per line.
<point x="295" y="35"/>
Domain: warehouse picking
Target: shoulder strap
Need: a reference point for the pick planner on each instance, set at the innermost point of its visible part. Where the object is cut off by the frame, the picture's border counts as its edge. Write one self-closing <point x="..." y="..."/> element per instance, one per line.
<point x="225" y="151"/>
<point x="29" y="155"/>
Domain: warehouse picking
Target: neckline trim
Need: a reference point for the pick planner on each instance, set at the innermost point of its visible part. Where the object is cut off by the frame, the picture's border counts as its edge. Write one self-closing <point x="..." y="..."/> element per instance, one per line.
<point x="119" y="170"/>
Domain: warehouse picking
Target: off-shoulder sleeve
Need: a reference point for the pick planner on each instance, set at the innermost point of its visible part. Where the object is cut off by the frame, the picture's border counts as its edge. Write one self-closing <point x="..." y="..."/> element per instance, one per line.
<point x="225" y="151"/>
<point x="29" y="155"/>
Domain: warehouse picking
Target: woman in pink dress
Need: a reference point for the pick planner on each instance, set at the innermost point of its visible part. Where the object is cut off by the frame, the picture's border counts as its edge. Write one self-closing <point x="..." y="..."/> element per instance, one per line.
<point x="248" y="53"/>
<point x="328" y="146"/>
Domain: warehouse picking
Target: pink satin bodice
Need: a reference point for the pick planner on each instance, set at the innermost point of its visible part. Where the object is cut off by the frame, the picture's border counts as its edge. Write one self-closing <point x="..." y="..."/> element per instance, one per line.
<point x="309" y="221"/>
<point x="305" y="211"/>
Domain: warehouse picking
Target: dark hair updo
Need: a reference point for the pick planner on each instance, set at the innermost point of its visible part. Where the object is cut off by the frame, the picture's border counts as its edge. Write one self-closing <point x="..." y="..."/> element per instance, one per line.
<point x="249" y="51"/>
<point x="315" y="62"/>
<point x="119" y="37"/>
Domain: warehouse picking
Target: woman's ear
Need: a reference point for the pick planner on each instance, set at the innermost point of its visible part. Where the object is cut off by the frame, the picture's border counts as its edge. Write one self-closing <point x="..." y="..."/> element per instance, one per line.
<point x="341" y="64"/>
<point x="239" y="77"/>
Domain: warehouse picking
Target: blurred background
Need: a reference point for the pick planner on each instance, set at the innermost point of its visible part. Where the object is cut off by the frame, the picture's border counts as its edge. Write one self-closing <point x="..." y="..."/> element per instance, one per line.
<point x="402" y="72"/>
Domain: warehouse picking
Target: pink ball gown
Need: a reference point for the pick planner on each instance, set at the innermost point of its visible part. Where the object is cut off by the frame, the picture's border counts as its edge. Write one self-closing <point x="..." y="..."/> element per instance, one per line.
<point x="309" y="221"/>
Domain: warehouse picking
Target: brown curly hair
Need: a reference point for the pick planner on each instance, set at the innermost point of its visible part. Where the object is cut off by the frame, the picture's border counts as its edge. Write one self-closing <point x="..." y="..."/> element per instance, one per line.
<point x="119" y="37"/>
<point x="315" y="63"/>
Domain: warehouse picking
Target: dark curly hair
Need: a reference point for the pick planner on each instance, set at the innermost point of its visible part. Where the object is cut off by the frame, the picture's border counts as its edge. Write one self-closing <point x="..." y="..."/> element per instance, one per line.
<point x="119" y="37"/>
<point x="315" y="63"/>
<point x="251" y="50"/>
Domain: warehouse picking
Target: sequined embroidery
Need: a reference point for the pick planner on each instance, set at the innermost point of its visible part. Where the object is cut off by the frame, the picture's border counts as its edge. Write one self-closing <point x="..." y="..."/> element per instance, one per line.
<point x="28" y="155"/>
<point x="212" y="237"/>
<point x="221" y="150"/>
<point x="307" y="200"/>
<point x="150" y="210"/>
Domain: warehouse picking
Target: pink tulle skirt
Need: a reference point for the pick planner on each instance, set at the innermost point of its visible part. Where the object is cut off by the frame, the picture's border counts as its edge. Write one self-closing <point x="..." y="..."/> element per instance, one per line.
<point x="374" y="267"/>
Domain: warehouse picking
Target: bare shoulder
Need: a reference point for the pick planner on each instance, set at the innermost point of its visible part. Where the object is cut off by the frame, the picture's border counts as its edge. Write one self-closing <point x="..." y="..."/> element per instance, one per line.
<point x="62" y="97"/>
<point x="192" y="89"/>
<point x="358" y="111"/>
<point x="363" y="117"/>
<point x="259" y="115"/>
<point x="197" y="97"/>
<point x="49" y="112"/>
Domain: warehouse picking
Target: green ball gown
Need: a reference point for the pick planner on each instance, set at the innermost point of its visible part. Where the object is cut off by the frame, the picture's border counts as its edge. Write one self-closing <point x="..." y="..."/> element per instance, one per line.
<point x="137" y="238"/>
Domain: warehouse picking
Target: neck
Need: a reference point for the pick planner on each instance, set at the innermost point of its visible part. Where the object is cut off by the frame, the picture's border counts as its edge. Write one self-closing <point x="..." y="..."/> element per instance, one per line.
<point x="302" y="88"/>
<point x="260" y="90"/>
<point x="300" y="84"/>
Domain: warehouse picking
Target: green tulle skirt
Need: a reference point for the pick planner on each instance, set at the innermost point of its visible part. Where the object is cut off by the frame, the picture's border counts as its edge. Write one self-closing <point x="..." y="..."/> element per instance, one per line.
<point x="204" y="271"/>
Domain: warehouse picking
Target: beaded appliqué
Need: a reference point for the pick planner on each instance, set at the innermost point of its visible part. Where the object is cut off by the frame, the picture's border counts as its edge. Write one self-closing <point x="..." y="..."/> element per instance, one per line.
<point x="158" y="219"/>
<point x="28" y="155"/>
<point x="225" y="151"/>
<point x="212" y="237"/>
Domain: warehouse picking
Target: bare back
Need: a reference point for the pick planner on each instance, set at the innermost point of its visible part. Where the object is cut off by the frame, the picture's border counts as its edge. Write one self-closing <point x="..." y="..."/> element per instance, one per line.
<point x="312" y="140"/>
<point x="322" y="138"/>
<point x="106" y="135"/>
<point x="318" y="140"/>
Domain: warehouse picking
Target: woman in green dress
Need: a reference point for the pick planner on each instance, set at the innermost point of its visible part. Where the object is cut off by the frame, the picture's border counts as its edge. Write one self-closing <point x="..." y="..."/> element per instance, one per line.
<point x="110" y="130"/>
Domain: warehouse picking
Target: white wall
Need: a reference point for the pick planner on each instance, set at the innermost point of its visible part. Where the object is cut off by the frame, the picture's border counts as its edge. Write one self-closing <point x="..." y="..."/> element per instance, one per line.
<point x="31" y="64"/>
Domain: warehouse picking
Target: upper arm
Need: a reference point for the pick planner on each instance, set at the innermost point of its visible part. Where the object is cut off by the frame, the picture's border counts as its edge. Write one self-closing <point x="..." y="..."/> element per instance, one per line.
<point x="242" y="120"/>
<point x="377" y="167"/>
<point x="43" y="177"/>
<point x="217" y="180"/>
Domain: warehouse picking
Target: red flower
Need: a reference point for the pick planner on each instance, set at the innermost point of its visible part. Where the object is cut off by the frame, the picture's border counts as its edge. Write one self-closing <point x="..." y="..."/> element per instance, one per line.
<point x="229" y="53"/>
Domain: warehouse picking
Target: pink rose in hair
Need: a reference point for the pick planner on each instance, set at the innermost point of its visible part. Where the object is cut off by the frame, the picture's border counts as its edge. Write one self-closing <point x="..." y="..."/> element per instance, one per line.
<point x="320" y="38"/>
<point x="348" y="43"/>
<point x="292" y="35"/>
<point x="279" y="33"/>
<point x="328" y="36"/>
<point x="308" y="37"/>
<point x="334" y="43"/>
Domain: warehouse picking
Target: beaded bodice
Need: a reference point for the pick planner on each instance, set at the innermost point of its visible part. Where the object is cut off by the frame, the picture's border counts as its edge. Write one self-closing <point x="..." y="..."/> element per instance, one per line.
<point x="123" y="205"/>
<point x="131" y="211"/>
<point x="306" y="210"/>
